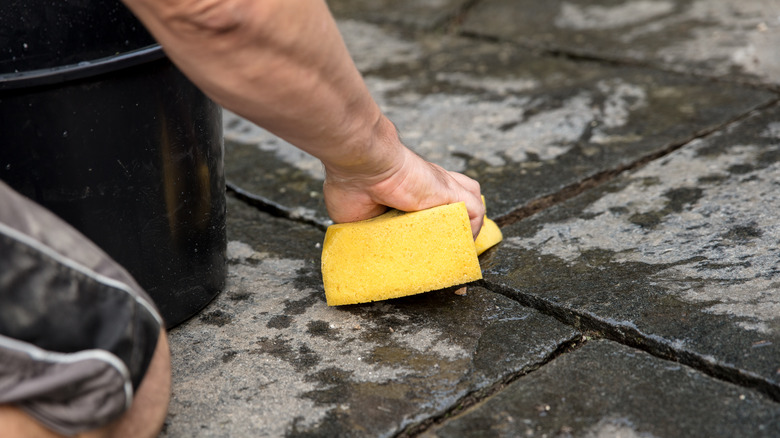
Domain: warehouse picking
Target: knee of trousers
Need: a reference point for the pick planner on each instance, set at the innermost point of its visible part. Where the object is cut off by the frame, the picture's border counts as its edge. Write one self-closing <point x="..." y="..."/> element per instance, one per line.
<point x="77" y="333"/>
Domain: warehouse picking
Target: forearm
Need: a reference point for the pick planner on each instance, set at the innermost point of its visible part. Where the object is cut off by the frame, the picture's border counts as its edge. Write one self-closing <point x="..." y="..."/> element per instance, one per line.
<point x="281" y="64"/>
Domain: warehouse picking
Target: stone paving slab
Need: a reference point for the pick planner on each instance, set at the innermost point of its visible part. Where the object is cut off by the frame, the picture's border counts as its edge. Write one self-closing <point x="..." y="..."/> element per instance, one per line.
<point x="525" y="126"/>
<point x="269" y="358"/>
<point x="681" y="257"/>
<point x="415" y="14"/>
<point x="605" y="389"/>
<point x="719" y="38"/>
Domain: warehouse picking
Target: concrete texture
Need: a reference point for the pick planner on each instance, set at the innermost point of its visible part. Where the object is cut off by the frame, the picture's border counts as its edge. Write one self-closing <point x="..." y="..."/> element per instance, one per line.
<point x="630" y="150"/>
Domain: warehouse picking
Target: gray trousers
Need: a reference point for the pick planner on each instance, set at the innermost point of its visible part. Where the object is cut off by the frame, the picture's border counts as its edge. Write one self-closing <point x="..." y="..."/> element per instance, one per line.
<point x="77" y="333"/>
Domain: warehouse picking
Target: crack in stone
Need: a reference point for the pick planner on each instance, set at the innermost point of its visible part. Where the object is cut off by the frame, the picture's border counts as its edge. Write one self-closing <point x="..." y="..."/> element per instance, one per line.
<point x="476" y="397"/>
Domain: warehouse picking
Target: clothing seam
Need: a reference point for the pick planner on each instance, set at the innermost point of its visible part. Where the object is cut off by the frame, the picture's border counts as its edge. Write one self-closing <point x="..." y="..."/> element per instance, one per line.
<point x="105" y="356"/>
<point x="48" y="251"/>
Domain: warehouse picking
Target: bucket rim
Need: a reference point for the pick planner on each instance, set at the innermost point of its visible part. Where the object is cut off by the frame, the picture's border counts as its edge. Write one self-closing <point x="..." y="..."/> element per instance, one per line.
<point x="84" y="69"/>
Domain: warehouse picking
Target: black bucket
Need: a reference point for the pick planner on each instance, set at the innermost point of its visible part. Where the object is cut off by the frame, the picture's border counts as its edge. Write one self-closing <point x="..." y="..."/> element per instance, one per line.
<point x="97" y="125"/>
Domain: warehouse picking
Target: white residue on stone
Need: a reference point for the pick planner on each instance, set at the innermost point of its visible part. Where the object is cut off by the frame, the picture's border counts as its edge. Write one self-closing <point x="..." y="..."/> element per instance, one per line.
<point x="724" y="34"/>
<point x="438" y="126"/>
<point x="303" y="213"/>
<point x="237" y="250"/>
<point x="427" y="340"/>
<point x="615" y="427"/>
<point x="498" y="86"/>
<point x="756" y="304"/>
<point x="371" y="46"/>
<point x="772" y="131"/>
<point x="581" y="17"/>
<point x="622" y="98"/>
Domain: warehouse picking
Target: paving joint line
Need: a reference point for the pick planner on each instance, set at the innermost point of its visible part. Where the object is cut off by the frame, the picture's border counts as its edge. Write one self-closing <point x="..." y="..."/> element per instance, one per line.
<point x="476" y="397"/>
<point x="632" y="63"/>
<point x="273" y="208"/>
<point x="572" y="190"/>
<point x="633" y="337"/>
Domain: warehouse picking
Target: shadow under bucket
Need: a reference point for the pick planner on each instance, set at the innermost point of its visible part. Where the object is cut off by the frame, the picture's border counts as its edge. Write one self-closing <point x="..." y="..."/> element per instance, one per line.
<point x="119" y="144"/>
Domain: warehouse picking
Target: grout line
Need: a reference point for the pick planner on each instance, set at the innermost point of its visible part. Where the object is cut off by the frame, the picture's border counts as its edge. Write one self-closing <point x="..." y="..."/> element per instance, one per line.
<point x="633" y="337"/>
<point x="476" y="397"/>
<point x="623" y="62"/>
<point x="539" y="204"/>
<point x="273" y="208"/>
<point x="573" y="55"/>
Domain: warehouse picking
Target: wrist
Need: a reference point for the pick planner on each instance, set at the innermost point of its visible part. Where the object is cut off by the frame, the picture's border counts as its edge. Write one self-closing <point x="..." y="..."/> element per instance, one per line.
<point x="372" y="160"/>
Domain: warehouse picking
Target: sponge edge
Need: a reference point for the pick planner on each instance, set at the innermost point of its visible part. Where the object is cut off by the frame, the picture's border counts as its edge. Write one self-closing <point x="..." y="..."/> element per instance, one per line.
<point x="398" y="254"/>
<point x="488" y="236"/>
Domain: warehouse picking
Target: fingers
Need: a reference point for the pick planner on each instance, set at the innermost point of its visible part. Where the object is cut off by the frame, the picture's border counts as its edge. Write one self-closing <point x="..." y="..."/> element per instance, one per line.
<point x="474" y="204"/>
<point x="469" y="184"/>
<point x="416" y="185"/>
<point x="476" y="223"/>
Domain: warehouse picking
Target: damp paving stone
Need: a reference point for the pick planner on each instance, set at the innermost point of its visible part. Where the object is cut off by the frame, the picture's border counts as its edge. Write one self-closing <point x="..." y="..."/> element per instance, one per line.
<point x="717" y="38"/>
<point x="268" y="357"/>
<point x="681" y="257"/>
<point x="416" y="14"/>
<point x="523" y="125"/>
<point x="250" y="228"/>
<point x="605" y="389"/>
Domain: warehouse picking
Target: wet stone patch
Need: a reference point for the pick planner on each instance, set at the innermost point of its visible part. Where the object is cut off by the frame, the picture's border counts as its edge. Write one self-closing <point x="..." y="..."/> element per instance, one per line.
<point x="525" y="126"/>
<point x="605" y="389"/>
<point x="269" y="358"/>
<point x="718" y="38"/>
<point x="681" y="257"/>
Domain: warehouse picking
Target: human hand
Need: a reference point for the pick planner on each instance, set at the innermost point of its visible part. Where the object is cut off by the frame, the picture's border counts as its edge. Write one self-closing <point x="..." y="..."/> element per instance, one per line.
<point x="407" y="183"/>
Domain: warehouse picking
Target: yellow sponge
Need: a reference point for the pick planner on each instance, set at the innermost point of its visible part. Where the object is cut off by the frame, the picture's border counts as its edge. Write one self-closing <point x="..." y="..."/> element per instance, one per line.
<point x="488" y="236"/>
<point x="398" y="254"/>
